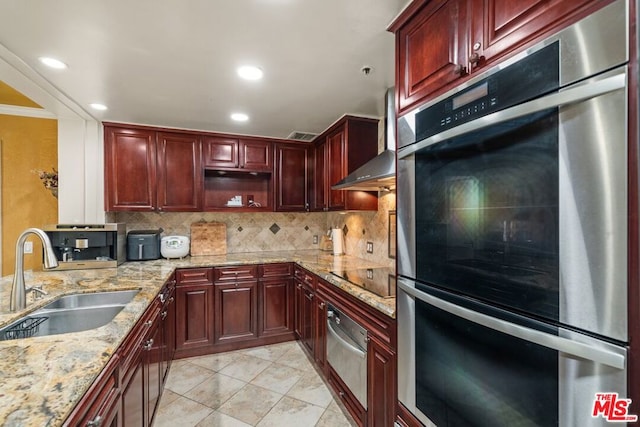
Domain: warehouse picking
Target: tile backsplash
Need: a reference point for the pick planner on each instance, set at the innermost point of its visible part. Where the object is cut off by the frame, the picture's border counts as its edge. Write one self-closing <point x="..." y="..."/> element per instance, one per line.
<point x="272" y="231"/>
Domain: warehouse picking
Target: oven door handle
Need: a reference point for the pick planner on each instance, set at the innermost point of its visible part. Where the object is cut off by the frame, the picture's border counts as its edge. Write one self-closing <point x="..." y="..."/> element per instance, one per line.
<point x="564" y="345"/>
<point x="344" y="342"/>
<point x="579" y="93"/>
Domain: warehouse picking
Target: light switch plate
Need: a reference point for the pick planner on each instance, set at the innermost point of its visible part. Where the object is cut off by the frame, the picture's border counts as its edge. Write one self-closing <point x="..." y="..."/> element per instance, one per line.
<point x="315" y="239"/>
<point x="369" y="247"/>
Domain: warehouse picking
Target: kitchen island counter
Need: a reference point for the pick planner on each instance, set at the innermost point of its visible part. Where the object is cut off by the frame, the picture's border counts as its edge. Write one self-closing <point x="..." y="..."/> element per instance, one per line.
<point x="43" y="378"/>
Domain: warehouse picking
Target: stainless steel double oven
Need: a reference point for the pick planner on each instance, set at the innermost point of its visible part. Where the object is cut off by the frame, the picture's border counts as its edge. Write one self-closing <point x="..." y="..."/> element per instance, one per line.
<point x="512" y="237"/>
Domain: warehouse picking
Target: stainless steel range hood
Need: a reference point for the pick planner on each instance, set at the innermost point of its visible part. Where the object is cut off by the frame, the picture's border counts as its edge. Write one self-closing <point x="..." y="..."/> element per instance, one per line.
<point x="379" y="173"/>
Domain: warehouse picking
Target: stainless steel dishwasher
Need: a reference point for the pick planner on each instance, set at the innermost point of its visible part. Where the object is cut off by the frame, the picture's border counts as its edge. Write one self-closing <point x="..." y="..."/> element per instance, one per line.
<point x="347" y="351"/>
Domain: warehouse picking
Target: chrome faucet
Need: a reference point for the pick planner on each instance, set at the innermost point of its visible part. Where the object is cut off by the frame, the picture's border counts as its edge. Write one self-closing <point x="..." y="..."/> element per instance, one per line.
<point x="18" y="289"/>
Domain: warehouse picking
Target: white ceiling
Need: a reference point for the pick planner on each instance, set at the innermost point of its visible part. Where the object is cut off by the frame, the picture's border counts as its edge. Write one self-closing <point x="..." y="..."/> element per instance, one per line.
<point x="172" y="63"/>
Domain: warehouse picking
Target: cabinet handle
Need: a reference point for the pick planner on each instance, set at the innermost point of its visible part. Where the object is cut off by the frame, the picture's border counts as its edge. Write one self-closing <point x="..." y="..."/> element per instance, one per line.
<point x="163" y="315"/>
<point x="148" y="323"/>
<point x="161" y="297"/>
<point x="96" y="422"/>
<point x="474" y="59"/>
<point x="460" y="70"/>
<point x="299" y="285"/>
<point x="321" y="305"/>
<point x="172" y="299"/>
<point x="148" y="344"/>
<point x="309" y="297"/>
<point x="341" y="394"/>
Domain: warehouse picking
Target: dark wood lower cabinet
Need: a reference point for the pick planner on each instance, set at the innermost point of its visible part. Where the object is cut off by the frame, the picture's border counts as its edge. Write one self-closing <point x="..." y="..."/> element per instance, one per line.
<point x="236" y="311"/>
<point x="381" y="369"/>
<point x="194" y="316"/>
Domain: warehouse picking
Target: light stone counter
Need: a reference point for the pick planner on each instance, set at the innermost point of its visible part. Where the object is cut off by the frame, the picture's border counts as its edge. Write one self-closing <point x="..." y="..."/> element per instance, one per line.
<point x="43" y="378"/>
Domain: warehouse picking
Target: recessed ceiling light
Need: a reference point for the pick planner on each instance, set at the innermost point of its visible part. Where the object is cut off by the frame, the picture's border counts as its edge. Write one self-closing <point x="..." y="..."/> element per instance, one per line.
<point x="53" y="63"/>
<point x="96" y="106"/>
<point x="249" y="72"/>
<point x="239" y="117"/>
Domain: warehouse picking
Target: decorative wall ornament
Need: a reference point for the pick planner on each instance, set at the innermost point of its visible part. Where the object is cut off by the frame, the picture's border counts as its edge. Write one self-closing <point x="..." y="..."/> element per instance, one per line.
<point x="49" y="180"/>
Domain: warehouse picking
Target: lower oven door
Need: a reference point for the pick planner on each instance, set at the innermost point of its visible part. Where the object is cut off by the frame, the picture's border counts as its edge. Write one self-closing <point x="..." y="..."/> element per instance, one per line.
<point x="459" y="365"/>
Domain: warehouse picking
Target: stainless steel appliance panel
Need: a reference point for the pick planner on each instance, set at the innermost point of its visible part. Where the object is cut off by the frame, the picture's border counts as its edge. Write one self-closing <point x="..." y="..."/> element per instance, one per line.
<point x="593" y="212"/>
<point x="406" y="227"/>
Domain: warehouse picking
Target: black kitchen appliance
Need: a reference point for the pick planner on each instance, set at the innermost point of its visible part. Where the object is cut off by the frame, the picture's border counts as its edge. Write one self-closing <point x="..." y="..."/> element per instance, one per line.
<point x="87" y="246"/>
<point x="143" y="245"/>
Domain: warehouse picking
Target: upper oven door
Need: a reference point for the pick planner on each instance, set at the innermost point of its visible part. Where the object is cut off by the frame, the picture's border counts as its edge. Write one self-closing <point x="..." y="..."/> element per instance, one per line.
<point x="526" y="208"/>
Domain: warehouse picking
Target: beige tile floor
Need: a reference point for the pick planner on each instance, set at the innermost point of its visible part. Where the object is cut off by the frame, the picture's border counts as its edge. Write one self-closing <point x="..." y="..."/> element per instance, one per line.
<point x="273" y="385"/>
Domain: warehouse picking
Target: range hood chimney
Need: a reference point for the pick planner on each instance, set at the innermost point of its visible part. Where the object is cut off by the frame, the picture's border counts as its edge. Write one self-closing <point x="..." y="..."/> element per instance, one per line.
<point x="379" y="173"/>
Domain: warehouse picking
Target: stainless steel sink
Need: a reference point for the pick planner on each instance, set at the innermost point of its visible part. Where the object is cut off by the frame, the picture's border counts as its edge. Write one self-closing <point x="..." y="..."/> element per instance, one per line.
<point x="70" y="313"/>
<point x="91" y="300"/>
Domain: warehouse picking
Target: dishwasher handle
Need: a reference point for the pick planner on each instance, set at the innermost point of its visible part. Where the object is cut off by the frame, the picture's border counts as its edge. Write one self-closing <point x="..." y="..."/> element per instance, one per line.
<point x="350" y="346"/>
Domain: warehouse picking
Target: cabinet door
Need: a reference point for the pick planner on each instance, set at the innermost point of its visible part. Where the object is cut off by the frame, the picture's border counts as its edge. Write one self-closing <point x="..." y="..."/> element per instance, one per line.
<point x="276" y="306"/>
<point x="431" y="50"/>
<point x="194" y="316"/>
<point x="499" y="26"/>
<point x="133" y="397"/>
<point x="336" y="169"/>
<point x="319" y="192"/>
<point x="152" y="360"/>
<point x="381" y="384"/>
<point x="291" y="178"/>
<point x="308" y="320"/>
<point x="256" y="156"/>
<point x="130" y="169"/>
<point x="320" y="330"/>
<point x="180" y="176"/>
<point x="236" y="312"/>
<point x="169" y="330"/>
<point x="221" y="153"/>
<point x="298" y="307"/>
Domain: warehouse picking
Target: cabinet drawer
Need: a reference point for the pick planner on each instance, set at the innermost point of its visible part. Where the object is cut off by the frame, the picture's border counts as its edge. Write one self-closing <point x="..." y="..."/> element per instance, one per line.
<point x="192" y="276"/>
<point x="305" y="277"/>
<point x="235" y="273"/>
<point x="276" y="270"/>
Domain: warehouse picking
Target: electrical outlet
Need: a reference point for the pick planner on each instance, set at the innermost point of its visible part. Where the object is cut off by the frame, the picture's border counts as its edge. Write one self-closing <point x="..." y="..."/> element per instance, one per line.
<point x="315" y="239"/>
<point x="369" y="247"/>
<point x="28" y="247"/>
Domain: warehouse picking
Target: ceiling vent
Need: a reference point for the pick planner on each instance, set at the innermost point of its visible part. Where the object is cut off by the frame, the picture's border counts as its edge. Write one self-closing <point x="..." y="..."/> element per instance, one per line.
<point x="302" y="136"/>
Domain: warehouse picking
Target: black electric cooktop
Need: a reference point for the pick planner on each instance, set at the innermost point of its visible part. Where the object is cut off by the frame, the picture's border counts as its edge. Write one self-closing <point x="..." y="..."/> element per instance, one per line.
<point x="379" y="280"/>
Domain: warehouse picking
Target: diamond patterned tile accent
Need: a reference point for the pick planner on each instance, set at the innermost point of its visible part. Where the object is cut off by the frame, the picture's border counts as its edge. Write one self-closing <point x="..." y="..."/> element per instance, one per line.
<point x="345" y="229"/>
<point x="306" y="228"/>
<point x="274" y="228"/>
<point x="240" y="228"/>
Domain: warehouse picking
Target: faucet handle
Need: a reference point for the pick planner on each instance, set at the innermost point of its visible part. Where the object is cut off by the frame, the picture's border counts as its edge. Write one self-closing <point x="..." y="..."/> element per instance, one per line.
<point x="37" y="290"/>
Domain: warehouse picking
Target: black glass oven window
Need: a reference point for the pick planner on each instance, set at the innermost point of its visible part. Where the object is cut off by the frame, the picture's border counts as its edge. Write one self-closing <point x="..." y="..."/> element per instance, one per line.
<point x="487" y="214"/>
<point x="469" y="375"/>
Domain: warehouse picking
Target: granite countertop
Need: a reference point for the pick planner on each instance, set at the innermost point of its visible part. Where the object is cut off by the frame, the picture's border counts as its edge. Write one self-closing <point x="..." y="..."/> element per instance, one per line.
<point x="43" y="378"/>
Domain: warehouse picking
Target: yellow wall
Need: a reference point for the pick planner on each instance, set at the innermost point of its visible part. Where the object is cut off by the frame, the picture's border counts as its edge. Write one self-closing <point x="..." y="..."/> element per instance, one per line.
<point x="26" y="144"/>
<point x="10" y="96"/>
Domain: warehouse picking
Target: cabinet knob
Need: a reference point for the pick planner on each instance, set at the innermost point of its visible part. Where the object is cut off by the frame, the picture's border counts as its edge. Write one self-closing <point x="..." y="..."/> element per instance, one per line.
<point x="477" y="46"/>
<point x="148" y="344"/>
<point x="148" y="323"/>
<point x="460" y="70"/>
<point x="163" y="315"/>
<point x="321" y="305"/>
<point x="299" y="285"/>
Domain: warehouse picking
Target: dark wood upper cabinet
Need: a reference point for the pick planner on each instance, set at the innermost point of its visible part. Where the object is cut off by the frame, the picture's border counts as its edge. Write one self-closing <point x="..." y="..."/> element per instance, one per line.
<point x="179" y="171"/>
<point x="343" y="148"/>
<point x="130" y="169"/>
<point x="292" y="171"/>
<point x="230" y="153"/>
<point x="441" y="43"/>
<point x="431" y="50"/>
<point x="221" y="152"/>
